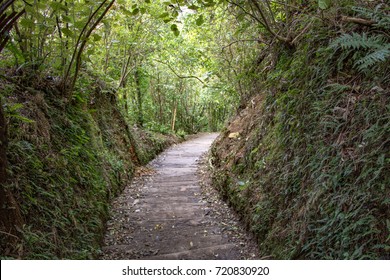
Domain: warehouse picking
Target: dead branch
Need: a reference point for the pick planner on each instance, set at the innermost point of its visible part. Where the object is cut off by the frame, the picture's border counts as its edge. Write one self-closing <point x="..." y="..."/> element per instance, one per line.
<point x="362" y="21"/>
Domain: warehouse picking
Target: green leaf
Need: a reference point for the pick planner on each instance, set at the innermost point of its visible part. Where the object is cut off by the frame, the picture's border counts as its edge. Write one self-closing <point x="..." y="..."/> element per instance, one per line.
<point x="135" y="11"/>
<point x="125" y="11"/>
<point x="175" y="30"/>
<point x="79" y="24"/>
<point x="67" y="19"/>
<point x="67" y="32"/>
<point x="324" y="4"/>
<point x="96" y="37"/>
<point x="56" y="6"/>
<point x="16" y="51"/>
<point x="209" y="3"/>
<point x="41" y="5"/>
<point x="29" y="9"/>
<point x="200" y="20"/>
<point x="193" y="7"/>
<point x="90" y="51"/>
<point x="164" y="15"/>
<point x="26" y="22"/>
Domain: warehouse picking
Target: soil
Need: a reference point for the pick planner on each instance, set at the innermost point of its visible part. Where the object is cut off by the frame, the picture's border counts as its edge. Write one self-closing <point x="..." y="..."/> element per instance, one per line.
<point x="170" y="211"/>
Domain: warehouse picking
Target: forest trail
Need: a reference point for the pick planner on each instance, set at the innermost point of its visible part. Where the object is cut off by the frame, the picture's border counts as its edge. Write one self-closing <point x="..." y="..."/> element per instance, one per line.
<point x="165" y="214"/>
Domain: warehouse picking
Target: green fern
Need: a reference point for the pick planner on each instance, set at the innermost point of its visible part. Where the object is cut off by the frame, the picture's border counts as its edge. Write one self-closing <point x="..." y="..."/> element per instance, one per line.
<point x="371" y="59"/>
<point x="381" y="19"/>
<point x="358" y="41"/>
<point x="373" y="49"/>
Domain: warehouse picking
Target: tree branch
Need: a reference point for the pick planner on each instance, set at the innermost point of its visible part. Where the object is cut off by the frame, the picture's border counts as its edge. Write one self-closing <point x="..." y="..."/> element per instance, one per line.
<point x="358" y="20"/>
<point x="84" y="42"/>
<point x="267" y="25"/>
<point x="246" y="12"/>
<point x="177" y="75"/>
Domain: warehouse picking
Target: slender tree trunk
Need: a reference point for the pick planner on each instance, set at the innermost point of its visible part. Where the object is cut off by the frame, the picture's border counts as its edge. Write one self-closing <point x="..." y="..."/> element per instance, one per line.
<point x="125" y="97"/>
<point x="140" y="117"/>
<point x="160" y="101"/>
<point x="174" y="116"/>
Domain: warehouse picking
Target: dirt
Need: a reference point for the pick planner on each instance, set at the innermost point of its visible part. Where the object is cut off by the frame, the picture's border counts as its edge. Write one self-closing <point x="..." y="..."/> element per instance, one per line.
<point x="170" y="211"/>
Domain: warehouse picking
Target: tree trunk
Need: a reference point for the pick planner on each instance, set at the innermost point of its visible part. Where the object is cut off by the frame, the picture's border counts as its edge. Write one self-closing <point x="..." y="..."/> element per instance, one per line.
<point x="174" y="116"/>
<point x="140" y="117"/>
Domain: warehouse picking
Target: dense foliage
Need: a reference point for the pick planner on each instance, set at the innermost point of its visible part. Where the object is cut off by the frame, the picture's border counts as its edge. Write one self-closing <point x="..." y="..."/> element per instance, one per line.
<point x="156" y="56"/>
<point x="305" y="161"/>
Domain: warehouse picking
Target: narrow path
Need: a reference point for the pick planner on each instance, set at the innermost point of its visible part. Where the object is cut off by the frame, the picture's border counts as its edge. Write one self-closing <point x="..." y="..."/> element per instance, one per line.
<point x="163" y="214"/>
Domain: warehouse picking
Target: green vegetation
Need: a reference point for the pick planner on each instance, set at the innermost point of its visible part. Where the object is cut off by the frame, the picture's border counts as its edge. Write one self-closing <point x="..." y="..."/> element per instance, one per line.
<point x="66" y="163"/>
<point x="92" y="89"/>
<point x="309" y="169"/>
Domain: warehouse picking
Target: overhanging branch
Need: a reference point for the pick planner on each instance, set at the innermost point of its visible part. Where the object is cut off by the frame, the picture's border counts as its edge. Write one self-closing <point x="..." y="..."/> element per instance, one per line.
<point x="177" y="75"/>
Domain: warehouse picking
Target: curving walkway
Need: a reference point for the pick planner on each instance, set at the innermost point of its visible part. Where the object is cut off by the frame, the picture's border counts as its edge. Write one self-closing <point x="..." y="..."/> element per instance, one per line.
<point x="163" y="214"/>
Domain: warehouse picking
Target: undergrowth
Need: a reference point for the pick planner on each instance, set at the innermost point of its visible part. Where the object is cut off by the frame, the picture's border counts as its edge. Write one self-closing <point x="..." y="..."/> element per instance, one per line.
<point x="310" y="171"/>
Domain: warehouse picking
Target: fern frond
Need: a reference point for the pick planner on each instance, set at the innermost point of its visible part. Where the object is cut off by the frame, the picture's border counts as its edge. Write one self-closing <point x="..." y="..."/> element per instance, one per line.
<point x="371" y="59"/>
<point x="364" y="12"/>
<point x="358" y="41"/>
<point x="384" y="23"/>
<point x="381" y="18"/>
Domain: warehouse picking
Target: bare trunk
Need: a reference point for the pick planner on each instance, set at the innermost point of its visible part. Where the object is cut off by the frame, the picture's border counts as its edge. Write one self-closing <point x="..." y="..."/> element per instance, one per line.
<point x="140" y="117"/>
<point x="174" y="116"/>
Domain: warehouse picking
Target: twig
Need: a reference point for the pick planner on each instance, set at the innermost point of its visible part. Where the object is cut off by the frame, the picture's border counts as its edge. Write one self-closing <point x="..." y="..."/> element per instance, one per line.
<point x="301" y="33"/>
<point x="211" y="164"/>
<point x="9" y="234"/>
<point x="358" y="20"/>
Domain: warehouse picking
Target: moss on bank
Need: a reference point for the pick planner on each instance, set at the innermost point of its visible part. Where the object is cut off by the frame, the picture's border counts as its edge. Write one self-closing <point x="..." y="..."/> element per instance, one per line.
<point x="306" y="162"/>
<point x="67" y="160"/>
